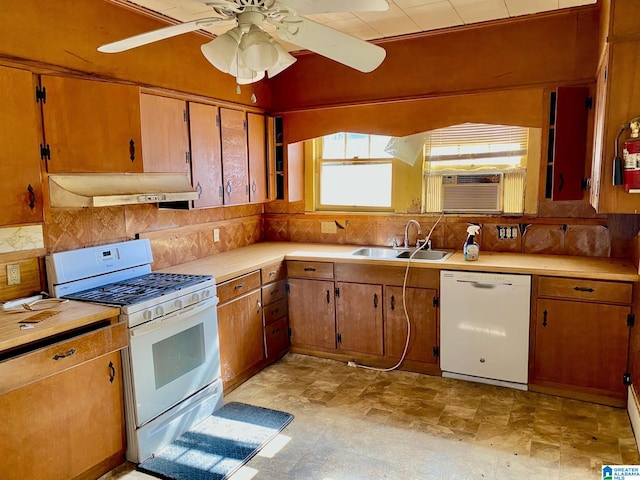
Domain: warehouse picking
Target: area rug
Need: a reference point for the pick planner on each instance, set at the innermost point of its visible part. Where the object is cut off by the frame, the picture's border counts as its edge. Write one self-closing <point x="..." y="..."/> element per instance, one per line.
<point x="219" y="445"/>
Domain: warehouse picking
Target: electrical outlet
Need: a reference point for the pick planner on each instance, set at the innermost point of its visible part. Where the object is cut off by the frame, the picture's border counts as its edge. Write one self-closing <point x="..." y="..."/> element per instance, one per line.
<point x="13" y="274"/>
<point x="328" y="227"/>
<point x="216" y="234"/>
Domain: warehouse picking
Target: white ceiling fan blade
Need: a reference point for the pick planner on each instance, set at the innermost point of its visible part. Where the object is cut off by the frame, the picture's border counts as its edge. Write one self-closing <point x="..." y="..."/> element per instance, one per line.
<point x="309" y="7"/>
<point x="330" y="43"/>
<point x="156" y="35"/>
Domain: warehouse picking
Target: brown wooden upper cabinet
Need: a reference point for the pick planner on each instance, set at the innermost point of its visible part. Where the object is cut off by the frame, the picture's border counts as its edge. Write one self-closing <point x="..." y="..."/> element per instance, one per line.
<point x="183" y="137"/>
<point x="90" y="126"/>
<point x="257" y="138"/>
<point x="165" y="134"/>
<point x="235" y="165"/>
<point x="21" y="199"/>
<point x="567" y="144"/>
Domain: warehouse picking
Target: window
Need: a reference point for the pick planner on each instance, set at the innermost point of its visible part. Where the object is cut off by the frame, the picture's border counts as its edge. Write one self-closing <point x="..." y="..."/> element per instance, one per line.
<point x="476" y="168"/>
<point x="354" y="172"/>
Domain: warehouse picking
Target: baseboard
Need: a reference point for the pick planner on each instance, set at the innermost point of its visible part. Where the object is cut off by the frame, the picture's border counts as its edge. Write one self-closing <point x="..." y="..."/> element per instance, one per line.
<point x="633" y="408"/>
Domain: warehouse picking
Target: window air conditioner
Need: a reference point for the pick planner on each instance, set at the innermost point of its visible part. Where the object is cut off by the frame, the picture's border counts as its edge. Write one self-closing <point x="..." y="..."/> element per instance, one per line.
<point x="472" y="193"/>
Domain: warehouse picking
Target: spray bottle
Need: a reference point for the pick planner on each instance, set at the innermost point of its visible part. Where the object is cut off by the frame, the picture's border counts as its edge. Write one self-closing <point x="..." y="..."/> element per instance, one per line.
<point x="471" y="249"/>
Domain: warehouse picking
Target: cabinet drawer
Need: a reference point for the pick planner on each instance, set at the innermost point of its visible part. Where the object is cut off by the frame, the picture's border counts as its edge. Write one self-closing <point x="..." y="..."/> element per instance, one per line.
<point x="310" y="269"/>
<point x="273" y="292"/>
<point x="272" y="273"/>
<point x="594" y="290"/>
<point x="275" y="311"/>
<point x="277" y="337"/>
<point x="55" y="358"/>
<point x="238" y="286"/>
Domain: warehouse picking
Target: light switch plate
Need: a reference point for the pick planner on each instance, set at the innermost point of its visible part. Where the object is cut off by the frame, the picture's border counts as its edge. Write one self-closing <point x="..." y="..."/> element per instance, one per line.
<point x="216" y="234"/>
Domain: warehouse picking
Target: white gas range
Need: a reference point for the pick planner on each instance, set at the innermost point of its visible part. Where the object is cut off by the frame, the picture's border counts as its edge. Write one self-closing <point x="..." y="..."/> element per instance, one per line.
<point x="172" y="365"/>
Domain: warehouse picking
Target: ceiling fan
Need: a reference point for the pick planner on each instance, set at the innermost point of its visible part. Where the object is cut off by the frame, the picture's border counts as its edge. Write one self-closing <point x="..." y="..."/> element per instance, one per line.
<point x="247" y="51"/>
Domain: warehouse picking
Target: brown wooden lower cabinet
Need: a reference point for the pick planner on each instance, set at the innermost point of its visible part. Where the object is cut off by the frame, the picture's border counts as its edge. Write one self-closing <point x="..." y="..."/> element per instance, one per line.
<point x="240" y="334"/>
<point x="359" y="318"/>
<point x="580" y="339"/>
<point x="312" y="315"/>
<point x="68" y="425"/>
<point x="423" y="318"/>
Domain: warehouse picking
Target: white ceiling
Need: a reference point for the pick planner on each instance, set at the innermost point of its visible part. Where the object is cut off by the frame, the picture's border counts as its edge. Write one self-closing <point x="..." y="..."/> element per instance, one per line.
<point x="403" y="17"/>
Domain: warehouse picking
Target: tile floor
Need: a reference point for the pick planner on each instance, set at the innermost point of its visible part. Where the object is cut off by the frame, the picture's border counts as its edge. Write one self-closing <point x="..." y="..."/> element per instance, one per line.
<point x="360" y="424"/>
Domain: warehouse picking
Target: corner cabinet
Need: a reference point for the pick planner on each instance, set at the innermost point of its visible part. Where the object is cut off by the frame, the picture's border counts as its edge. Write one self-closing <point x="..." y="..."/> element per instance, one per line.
<point x="286" y="161"/>
<point x="90" y="126"/>
<point x="21" y="200"/>
<point x="580" y="338"/>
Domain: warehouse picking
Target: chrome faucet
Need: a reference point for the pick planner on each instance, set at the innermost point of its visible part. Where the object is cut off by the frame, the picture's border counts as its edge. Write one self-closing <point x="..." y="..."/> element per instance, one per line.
<point x="406" y="231"/>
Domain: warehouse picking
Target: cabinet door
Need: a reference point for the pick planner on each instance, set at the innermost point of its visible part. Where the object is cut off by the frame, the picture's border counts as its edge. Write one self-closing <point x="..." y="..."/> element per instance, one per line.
<point x="256" y="132"/>
<point x="241" y="335"/>
<point x="581" y="344"/>
<point x="65" y="424"/>
<point x="235" y="166"/>
<point x="359" y="318"/>
<point x="206" y="162"/>
<point x="21" y="200"/>
<point x="422" y="315"/>
<point x="91" y="126"/>
<point x="165" y="134"/>
<point x="312" y="313"/>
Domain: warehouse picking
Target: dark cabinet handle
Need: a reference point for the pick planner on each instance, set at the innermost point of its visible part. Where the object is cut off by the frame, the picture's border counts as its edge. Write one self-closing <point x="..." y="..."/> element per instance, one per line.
<point x="64" y="355"/>
<point x="254" y="186"/>
<point x="309" y="269"/>
<point x="561" y="183"/>
<point x="112" y="374"/>
<point x="273" y="272"/>
<point x="274" y="311"/>
<point x="328" y="296"/>
<point x="583" y="289"/>
<point x="544" y="318"/>
<point x="132" y="150"/>
<point x="229" y="187"/>
<point x="32" y="197"/>
<point x="240" y="285"/>
<point x="199" y="189"/>
<point x="375" y="300"/>
<point x="393" y="302"/>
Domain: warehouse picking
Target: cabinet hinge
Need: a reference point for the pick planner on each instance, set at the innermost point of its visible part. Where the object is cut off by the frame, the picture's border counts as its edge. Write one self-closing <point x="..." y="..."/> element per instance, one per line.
<point x="436" y="302"/>
<point x="287" y="288"/>
<point x="185" y="117"/>
<point x="244" y="125"/>
<point x="588" y="103"/>
<point x="436" y="351"/>
<point x="45" y="152"/>
<point x="187" y="157"/>
<point x="289" y="331"/>
<point x="339" y="337"/>
<point x="217" y="120"/>
<point x="41" y="94"/>
<point x="631" y="320"/>
<point x="337" y="292"/>
<point x="626" y="378"/>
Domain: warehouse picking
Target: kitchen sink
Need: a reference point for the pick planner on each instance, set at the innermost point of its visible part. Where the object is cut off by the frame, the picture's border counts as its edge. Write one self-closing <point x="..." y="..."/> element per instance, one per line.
<point x="433" y="255"/>
<point x="376" y="252"/>
<point x="389" y="253"/>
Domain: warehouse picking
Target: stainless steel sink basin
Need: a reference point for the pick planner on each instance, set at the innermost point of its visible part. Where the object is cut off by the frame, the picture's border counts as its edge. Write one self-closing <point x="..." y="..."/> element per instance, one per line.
<point x="389" y="253"/>
<point x="433" y="255"/>
<point x="376" y="252"/>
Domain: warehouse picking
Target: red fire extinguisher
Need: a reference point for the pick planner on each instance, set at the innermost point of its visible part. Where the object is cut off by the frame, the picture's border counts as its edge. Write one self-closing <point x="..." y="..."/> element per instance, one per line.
<point x="631" y="158"/>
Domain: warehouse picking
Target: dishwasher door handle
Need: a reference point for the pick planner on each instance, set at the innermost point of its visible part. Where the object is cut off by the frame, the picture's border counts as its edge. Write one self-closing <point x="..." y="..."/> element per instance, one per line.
<point x="477" y="284"/>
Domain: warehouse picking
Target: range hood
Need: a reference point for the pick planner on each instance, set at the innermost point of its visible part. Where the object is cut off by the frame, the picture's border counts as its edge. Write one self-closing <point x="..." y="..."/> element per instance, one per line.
<point x="108" y="189"/>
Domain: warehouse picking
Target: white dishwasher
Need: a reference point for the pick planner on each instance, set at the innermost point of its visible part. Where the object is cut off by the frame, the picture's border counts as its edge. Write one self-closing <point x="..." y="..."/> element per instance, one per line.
<point x="484" y="327"/>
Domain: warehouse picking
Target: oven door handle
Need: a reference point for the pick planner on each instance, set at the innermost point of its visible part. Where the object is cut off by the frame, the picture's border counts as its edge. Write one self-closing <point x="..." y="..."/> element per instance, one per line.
<point x="174" y="317"/>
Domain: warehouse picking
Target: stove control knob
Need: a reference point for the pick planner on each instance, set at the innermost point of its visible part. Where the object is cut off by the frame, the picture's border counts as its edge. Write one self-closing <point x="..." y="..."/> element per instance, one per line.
<point x="147" y="315"/>
<point x="178" y="304"/>
<point x="159" y="311"/>
<point x="195" y="297"/>
<point x="206" y="293"/>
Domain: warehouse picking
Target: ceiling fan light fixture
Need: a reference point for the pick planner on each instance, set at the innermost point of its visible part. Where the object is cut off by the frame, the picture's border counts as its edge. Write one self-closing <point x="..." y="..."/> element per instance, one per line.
<point x="257" y="49"/>
<point x="285" y="60"/>
<point x="222" y="50"/>
<point x="249" y="76"/>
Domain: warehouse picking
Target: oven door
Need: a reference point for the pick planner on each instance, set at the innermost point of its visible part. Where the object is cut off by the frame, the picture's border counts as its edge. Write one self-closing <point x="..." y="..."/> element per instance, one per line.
<point x="173" y="357"/>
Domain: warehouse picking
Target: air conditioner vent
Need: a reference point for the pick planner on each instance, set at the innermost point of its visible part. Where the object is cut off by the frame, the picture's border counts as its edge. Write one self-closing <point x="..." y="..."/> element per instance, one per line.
<point x="472" y="193"/>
